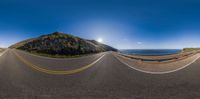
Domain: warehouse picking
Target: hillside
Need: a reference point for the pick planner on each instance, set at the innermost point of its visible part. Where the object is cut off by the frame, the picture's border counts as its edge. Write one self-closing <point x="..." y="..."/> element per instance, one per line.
<point x="191" y="49"/>
<point x="59" y="43"/>
<point x="1" y="50"/>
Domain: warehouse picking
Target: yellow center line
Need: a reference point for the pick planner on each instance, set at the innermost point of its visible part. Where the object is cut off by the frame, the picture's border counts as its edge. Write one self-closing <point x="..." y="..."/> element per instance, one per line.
<point x="56" y="72"/>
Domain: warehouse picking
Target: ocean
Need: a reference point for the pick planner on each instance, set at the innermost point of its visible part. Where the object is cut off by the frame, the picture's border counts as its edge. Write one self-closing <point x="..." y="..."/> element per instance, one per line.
<point x="151" y="52"/>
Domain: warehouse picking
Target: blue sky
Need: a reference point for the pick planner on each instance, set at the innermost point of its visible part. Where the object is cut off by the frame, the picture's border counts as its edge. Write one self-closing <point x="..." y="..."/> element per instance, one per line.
<point x="124" y="24"/>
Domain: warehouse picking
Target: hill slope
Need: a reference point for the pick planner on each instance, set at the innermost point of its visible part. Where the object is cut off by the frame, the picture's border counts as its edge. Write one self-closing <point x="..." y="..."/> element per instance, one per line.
<point x="62" y="44"/>
<point x="1" y="50"/>
<point x="191" y="49"/>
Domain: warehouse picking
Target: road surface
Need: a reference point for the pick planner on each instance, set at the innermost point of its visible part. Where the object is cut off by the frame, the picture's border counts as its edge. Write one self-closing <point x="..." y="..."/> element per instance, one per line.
<point x="107" y="78"/>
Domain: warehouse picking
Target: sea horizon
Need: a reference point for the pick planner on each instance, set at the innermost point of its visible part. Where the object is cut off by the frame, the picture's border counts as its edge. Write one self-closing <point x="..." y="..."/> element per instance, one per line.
<point x="150" y="52"/>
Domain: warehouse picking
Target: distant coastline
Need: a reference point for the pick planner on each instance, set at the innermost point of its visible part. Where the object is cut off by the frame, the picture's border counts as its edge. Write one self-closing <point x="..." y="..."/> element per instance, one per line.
<point x="151" y="52"/>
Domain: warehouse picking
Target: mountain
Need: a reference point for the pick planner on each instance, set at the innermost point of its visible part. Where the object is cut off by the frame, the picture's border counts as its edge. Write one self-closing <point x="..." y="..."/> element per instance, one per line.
<point x="59" y="43"/>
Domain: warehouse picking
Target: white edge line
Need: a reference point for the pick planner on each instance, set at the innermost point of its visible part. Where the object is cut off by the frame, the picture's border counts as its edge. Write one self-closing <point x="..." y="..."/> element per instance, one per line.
<point x="98" y="59"/>
<point x="3" y="52"/>
<point x="158" y="72"/>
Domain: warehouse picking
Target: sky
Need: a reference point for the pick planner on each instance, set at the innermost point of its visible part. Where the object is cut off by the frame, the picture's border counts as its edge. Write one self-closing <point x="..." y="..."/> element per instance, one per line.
<point x="123" y="24"/>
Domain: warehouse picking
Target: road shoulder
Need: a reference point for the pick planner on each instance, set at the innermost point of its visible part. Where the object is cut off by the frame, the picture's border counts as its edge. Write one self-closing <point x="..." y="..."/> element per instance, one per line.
<point x="160" y="68"/>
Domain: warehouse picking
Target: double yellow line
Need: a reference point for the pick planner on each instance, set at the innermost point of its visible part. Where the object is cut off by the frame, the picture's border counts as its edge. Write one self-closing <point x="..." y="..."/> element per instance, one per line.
<point x="56" y="72"/>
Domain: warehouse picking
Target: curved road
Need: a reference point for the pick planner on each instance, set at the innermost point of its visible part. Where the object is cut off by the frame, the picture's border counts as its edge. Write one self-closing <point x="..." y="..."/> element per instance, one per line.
<point x="106" y="79"/>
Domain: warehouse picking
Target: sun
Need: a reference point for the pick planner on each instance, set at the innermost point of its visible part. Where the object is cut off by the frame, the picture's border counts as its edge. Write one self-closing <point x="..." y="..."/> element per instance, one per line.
<point x="100" y="40"/>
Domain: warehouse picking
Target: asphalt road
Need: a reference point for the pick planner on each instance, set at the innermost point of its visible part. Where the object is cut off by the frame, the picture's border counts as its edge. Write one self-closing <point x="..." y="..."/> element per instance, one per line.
<point x="108" y="78"/>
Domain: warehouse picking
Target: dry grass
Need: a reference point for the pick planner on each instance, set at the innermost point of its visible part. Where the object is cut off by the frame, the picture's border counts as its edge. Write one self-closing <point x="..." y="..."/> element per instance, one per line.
<point x="191" y="49"/>
<point x="198" y="61"/>
<point x="1" y="50"/>
<point x="59" y="56"/>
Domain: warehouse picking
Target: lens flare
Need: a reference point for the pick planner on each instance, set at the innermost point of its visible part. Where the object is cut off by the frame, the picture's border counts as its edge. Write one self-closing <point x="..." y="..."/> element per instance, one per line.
<point x="100" y="40"/>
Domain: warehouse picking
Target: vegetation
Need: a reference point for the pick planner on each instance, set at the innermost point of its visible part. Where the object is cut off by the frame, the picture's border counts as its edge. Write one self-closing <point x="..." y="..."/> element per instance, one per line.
<point x="60" y="44"/>
<point x="191" y="49"/>
<point x="59" y="56"/>
<point x="1" y="49"/>
<point x="198" y="60"/>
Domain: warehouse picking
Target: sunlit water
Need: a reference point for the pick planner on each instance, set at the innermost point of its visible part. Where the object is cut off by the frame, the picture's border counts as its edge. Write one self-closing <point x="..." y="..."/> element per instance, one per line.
<point x="151" y="52"/>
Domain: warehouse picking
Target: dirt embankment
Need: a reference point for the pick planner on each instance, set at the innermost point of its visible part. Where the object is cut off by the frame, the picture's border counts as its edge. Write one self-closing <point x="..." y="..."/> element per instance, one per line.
<point x="1" y="50"/>
<point x="159" y="64"/>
